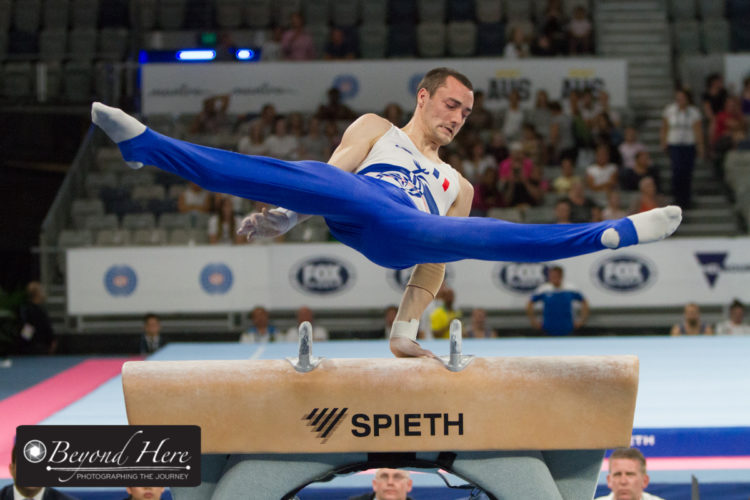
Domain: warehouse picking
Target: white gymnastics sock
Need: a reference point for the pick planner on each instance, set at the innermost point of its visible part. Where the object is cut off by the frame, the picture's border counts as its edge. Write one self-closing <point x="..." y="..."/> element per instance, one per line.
<point x="117" y="124"/>
<point x="650" y="226"/>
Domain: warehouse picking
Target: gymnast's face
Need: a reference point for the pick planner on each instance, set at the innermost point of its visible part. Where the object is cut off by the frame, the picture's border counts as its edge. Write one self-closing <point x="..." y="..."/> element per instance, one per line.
<point x="445" y="111"/>
<point x="626" y="479"/>
<point x="391" y="484"/>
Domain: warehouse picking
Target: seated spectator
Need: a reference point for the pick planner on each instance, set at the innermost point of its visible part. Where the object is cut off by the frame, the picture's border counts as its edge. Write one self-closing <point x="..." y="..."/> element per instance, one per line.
<point x="478" y="328"/>
<point x="13" y="491"/>
<point x="563" y="211"/>
<point x="580" y="32"/>
<point x="261" y="330"/>
<point x="541" y="116"/>
<point x="314" y="145"/>
<point x="517" y="46"/>
<point x="561" y="139"/>
<point x="582" y="208"/>
<point x="441" y="317"/>
<point x="553" y="25"/>
<point x="281" y="144"/>
<point x="213" y="116"/>
<point x="194" y="199"/>
<point x="225" y="48"/>
<point x="497" y="146"/>
<point x="340" y="45"/>
<point x="630" y="147"/>
<point x="334" y="109"/>
<point x="266" y="119"/>
<point x="714" y="97"/>
<point x="519" y="183"/>
<point x="389" y="484"/>
<point x="487" y="193"/>
<point x="543" y="44"/>
<point x="151" y="339"/>
<point x="627" y="477"/>
<point x="603" y="106"/>
<point x="648" y="198"/>
<point x="561" y="184"/>
<point x="603" y="131"/>
<point x="643" y="167"/>
<point x="533" y="145"/>
<point x="515" y="160"/>
<point x="587" y="107"/>
<point x="691" y="323"/>
<point x="144" y="492"/>
<point x="602" y="175"/>
<point x="732" y="113"/>
<point x="735" y="324"/>
<point x="223" y="224"/>
<point x="480" y="119"/>
<point x="253" y="142"/>
<point x="477" y="162"/>
<point x="613" y="210"/>
<point x="513" y="117"/>
<point x="271" y="48"/>
<point x="304" y="313"/>
<point x="394" y="114"/>
<point x="296" y="42"/>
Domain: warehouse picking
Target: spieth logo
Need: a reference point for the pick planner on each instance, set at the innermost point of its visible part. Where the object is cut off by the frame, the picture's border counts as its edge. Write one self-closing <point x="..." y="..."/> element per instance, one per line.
<point x="322" y="276"/>
<point x="521" y="277"/>
<point x="323" y="422"/>
<point x="216" y="278"/>
<point x="398" y="278"/>
<point x="624" y="273"/>
<point x="120" y="281"/>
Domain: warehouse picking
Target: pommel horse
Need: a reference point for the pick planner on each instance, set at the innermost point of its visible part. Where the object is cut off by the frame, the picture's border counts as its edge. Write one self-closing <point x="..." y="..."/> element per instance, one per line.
<point x="517" y="427"/>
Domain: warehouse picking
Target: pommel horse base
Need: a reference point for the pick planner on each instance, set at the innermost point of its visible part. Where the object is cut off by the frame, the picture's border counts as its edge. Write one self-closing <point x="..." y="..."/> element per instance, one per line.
<point x="518" y="428"/>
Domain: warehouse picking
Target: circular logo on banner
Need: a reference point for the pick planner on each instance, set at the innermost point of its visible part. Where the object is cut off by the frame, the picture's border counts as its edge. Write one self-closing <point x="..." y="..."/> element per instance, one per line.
<point x="414" y="82"/>
<point x="398" y="278"/>
<point x="34" y="451"/>
<point x="624" y="273"/>
<point x="322" y="276"/>
<point x="348" y="85"/>
<point x="521" y="277"/>
<point x="120" y="281"/>
<point x="216" y="278"/>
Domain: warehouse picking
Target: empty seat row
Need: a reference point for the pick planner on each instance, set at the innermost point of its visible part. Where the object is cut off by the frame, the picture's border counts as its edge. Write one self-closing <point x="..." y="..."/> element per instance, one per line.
<point x="58" y="44"/>
<point x="71" y="238"/>
<point x="74" y="81"/>
<point x="168" y="220"/>
<point x="690" y="9"/>
<point x="710" y="36"/>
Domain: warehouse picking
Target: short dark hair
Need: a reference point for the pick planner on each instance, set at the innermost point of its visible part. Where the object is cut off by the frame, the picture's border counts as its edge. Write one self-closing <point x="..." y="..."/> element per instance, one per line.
<point x="736" y="303"/>
<point x="556" y="268"/>
<point x="435" y="78"/>
<point x="631" y="454"/>
<point x="148" y="316"/>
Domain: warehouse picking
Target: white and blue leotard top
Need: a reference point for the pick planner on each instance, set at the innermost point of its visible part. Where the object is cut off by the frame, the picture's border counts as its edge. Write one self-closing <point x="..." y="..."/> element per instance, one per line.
<point x="433" y="187"/>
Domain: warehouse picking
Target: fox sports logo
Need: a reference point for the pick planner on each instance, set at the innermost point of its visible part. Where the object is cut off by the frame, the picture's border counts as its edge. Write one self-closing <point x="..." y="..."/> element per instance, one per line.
<point x="521" y="277"/>
<point x="624" y="273"/>
<point x="322" y="276"/>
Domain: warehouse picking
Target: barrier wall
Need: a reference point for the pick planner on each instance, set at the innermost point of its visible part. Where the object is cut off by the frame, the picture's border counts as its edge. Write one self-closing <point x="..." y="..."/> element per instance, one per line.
<point x="711" y="271"/>
<point x="368" y="85"/>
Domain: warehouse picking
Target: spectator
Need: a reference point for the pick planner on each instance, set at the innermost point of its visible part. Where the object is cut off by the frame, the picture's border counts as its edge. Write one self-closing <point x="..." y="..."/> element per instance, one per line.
<point x="151" y="338"/>
<point x="144" y="492"/>
<point x="226" y="49"/>
<point x="389" y="484"/>
<point x="613" y="210"/>
<point x="304" y="313"/>
<point x="648" y="198"/>
<point x="478" y="327"/>
<point x="497" y="147"/>
<point x="643" y="167"/>
<point x="517" y="47"/>
<point x="515" y="160"/>
<point x="580" y="32"/>
<point x="627" y="477"/>
<point x="587" y="107"/>
<point x="213" y="116"/>
<point x="261" y="329"/>
<point x="582" y="208"/>
<point x="340" y="46"/>
<point x="281" y="144"/>
<point x="682" y="137"/>
<point x="735" y="324"/>
<point x="603" y="106"/>
<point x="604" y="131"/>
<point x="296" y="42"/>
<point x="14" y="491"/>
<point x="520" y="185"/>
<point x="513" y="117"/>
<point x="567" y="177"/>
<point x="481" y="118"/>
<point x="562" y="212"/>
<point x="487" y="193"/>
<point x="270" y="48"/>
<point x="334" y="109"/>
<point x="558" y="300"/>
<point x="253" y="142"/>
<point x="553" y="26"/>
<point x="394" y="114"/>
<point x="745" y="96"/>
<point x="441" y="317"/>
<point x="630" y="147"/>
<point x="561" y="138"/>
<point x="223" y="224"/>
<point x="602" y="175"/>
<point x="533" y="145"/>
<point x="333" y="138"/>
<point x="314" y="145"/>
<point x="194" y="199"/>
<point x="37" y="334"/>
<point x="721" y="124"/>
<point x="544" y="45"/>
<point x="691" y="323"/>
<point x="266" y="119"/>
<point x="478" y="161"/>
<point x="541" y="116"/>
<point x="714" y="97"/>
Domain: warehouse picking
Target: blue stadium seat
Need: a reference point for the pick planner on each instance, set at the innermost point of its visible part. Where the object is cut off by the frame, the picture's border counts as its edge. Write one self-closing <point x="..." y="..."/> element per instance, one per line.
<point x="460" y="10"/>
<point x="402" y="12"/>
<point x="490" y="39"/>
<point x="402" y="41"/>
<point x="55" y="14"/>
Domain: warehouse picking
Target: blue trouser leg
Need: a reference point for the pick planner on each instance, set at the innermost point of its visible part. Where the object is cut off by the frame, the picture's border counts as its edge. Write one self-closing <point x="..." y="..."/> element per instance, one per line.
<point x="373" y="217"/>
<point x="682" y="159"/>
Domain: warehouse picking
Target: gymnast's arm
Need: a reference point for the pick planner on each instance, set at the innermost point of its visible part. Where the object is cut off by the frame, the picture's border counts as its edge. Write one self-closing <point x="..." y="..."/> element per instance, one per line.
<point x="356" y="143"/>
<point x="416" y="299"/>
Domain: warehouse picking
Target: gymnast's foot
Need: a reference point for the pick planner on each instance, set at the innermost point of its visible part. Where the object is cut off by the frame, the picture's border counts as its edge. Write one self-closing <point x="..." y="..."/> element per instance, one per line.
<point x="118" y="125"/>
<point x="650" y="226"/>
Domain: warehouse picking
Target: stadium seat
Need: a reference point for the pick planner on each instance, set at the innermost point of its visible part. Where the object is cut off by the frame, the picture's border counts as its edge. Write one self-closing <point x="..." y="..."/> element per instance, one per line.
<point x="175" y="190"/>
<point x="149" y="237"/>
<point x="27" y="15"/>
<point x="432" y="11"/>
<point x="77" y="81"/>
<point x="431" y="39"/>
<point x="228" y="13"/>
<point x="175" y="220"/>
<point x="114" y="14"/>
<point x="187" y="237"/>
<point x="71" y="238"/>
<point x="6" y="14"/>
<point x="158" y="207"/>
<point x="56" y="14"/>
<point x="82" y="44"/>
<point x="462" y="39"/>
<point x="113" y="43"/>
<point x="83" y="207"/>
<point x="113" y="237"/>
<point x="85" y="14"/>
<point x="540" y="215"/>
<point x="96" y="181"/>
<point x="344" y="13"/>
<point x="312" y="230"/>
<point x="402" y="41"/>
<point x="146" y="192"/>
<point x="285" y="9"/>
<point x="711" y="9"/>
<point x="171" y="14"/>
<point x="143" y="14"/>
<point x="316" y="12"/>
<point x="53" y="44"/>
<point x="139" y="221"/>
<point x="258" y="13"/>
<point x="519" y="10"/>
<point x="18" y="79"/>
<point x="686" y="36"/>
<point x="507" y="214"/>
<point x="461" y="10"/>
<point x="402" y="12"/>
<point x="132" y="178"/>
<point x="23" y="43"/>
<point x="490" y="39"/>
<point x="489" y="11"/>
<point x="715" y="36"/>
<point x="50" y="75"/>
<point x="3" y="45"/>
<point x="682" y="9"/>
<point x="372" y="41"/>
<point x="319" y="34"/>
<point x="374" y="11"/>
<point x="99" y="222"/>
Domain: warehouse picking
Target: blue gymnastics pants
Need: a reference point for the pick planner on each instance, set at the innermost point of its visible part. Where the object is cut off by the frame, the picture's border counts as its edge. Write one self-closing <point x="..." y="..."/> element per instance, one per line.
<point x="372" y="216"/>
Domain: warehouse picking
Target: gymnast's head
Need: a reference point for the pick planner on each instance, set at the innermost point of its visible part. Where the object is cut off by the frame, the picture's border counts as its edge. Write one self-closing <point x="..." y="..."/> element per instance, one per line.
<point x="445" y="98"/>
<point x="391" y="484"/>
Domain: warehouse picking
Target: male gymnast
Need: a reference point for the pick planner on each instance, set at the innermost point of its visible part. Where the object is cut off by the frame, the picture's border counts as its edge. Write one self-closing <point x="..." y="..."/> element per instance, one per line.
<point x="386" y="193"/>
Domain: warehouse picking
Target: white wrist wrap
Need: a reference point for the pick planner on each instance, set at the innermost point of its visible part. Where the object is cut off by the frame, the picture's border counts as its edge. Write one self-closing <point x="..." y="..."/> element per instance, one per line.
<point x="405" y="329"/>
<point x="291" y="217"/>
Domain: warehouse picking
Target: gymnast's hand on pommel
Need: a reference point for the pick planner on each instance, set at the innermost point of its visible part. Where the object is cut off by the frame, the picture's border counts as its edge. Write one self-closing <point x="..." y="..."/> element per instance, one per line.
<point x="405" y="348"/>
<point x="267" y="223"/>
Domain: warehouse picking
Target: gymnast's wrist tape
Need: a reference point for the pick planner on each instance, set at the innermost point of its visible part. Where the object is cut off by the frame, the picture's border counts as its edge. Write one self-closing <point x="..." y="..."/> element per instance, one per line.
<point x="428" y="277"/>
<point x="291" y="216"/>
<point x="405" y="329"/>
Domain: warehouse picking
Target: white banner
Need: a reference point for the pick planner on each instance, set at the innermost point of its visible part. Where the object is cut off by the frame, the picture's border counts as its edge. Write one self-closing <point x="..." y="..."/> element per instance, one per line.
<point x="736" y="69"/>
<point x="368" y="85"/>
<point x="335" y="277"/>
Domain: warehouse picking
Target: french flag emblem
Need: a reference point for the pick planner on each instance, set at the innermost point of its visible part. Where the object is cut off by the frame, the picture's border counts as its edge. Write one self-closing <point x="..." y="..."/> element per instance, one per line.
<point x="446" y="184"/>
